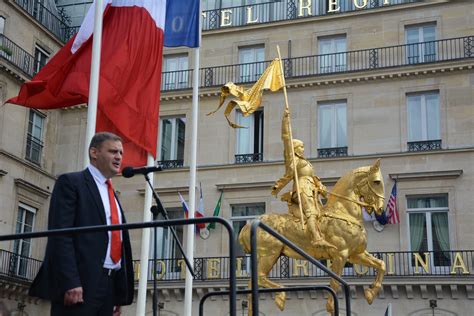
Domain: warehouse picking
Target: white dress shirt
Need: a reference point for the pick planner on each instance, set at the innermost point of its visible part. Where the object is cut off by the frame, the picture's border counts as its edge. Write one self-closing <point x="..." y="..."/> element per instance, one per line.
<point x="100" y="181"/>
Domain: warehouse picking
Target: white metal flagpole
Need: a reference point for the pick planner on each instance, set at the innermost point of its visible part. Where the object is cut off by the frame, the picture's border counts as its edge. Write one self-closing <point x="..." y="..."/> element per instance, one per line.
<point x="94" y="79"/>
<point x="144" y="253"/>
<point x="188" y="288"/>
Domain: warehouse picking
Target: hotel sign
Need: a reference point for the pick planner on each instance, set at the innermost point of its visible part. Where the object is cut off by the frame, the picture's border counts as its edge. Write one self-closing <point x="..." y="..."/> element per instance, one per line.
<point x="304" y="8"/>
<point x="216" y="268"/>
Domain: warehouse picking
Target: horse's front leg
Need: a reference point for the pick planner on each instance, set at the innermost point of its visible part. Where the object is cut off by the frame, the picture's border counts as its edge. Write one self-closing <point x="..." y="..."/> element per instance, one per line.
<point x="337" y="264"/>
<point x="368" y="260"/>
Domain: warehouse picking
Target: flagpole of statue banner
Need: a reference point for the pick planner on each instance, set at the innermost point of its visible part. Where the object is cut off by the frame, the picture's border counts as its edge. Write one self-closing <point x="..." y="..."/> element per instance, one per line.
<point x="94" y="79"/>
<point x="295" y="171"/>
<point x="188" y="285"/>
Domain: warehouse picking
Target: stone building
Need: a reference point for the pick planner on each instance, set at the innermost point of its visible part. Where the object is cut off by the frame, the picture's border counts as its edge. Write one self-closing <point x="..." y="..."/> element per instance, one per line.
<point x="389" y="79"/>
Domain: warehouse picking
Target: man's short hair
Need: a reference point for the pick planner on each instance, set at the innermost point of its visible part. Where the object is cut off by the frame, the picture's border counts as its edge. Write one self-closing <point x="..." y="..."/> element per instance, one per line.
<point x="101" y="137"/>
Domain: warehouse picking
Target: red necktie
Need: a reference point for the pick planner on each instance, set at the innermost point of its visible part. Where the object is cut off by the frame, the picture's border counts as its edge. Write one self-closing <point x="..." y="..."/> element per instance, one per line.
<point x="116" y="243"/>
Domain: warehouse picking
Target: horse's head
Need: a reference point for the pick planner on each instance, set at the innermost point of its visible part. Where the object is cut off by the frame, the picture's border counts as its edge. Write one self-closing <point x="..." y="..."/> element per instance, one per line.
<point x="371" y="189"/>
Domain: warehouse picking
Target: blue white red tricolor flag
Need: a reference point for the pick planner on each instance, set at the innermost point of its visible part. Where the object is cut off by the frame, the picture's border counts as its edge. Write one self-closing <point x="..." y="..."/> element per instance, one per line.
<point x="392" y="210"/>
<point x="186" y="212"/>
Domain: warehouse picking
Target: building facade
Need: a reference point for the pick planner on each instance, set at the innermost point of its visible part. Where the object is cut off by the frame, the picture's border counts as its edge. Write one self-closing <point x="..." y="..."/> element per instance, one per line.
<point x="389" y="79"/>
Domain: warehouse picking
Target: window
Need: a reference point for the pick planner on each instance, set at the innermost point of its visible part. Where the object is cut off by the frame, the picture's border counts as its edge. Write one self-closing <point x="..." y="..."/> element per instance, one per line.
<point x="22" y="248"/>
<point x="241" y="215"/>
<point x="429" y="229"/>
<point x="421" y="47"/>
<point x="332" y="54"/>
<point x="423" y="121"/>
<point x="172" y="133"/>
<point x="34" y="139"/>
<point x="175" y="72"/>
<point x="249" y="140"/>
<point x="41" y="58"/>
<point x="332" y="124"/>
<point x="252" y="65"/>
<point x="2" y="24"/>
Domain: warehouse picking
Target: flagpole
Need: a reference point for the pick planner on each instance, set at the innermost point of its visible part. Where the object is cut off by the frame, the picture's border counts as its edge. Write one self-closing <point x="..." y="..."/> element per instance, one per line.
<point x="188" y="287"/>
<point x="144" y="252"/>
<point x="295" y="171"/>
<point x="94" y="80"/>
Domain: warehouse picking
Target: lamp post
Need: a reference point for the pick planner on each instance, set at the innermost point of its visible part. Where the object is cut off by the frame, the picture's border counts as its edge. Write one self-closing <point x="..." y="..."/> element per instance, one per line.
<point x="161" y="305"/>
<point x="245" y="304"/>
<point x="433" y="305"/>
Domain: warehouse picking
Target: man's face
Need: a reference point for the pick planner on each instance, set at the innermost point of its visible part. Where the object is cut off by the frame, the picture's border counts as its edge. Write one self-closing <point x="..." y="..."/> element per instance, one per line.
<point x="299" y="149"/>
<point x="108" y="157"/>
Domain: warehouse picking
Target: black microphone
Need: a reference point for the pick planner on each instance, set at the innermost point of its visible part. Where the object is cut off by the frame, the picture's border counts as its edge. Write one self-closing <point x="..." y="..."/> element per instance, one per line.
<point x="129" y="172"/>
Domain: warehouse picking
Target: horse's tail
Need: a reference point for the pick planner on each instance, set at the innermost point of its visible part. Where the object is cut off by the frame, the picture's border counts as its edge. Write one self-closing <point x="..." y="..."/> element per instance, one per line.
<point x="244" y="238"/>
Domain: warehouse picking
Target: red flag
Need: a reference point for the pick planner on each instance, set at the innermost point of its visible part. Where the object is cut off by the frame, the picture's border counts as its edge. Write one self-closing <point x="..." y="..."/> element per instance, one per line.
<point x="130" y="75"/>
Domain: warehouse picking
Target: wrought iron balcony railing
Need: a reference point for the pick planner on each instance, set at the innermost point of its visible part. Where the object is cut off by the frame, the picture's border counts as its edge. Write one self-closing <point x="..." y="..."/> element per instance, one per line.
<point x="318" y="65"/>
<point x="398" y="264"/>
<point x="55" y="24"/>
<point x="332" y="152"/>
<point x="273" y="11"/>
<point x="18" y="267"/>
<point x="34" y="149"/>
<point x="249" y="158"/>
<point x="17" y="56"/>
<point x="171" y="164"/>
<point x="424" y="145"/>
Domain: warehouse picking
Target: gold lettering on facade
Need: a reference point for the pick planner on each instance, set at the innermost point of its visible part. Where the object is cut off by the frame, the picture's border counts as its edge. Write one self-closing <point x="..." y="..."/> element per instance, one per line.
<point x="298" y="265"/>
<point x="419" y="260"/>
<point x="390" y="264"/>
<point x="204" y="15"/>
<point x="360" y="269"/>
<point x="225" y="17"/>
<point x="182" y="265"/>
<point x="249" y="16"/>
<point x="213" y="268"/>
<point x="386" y="2"/>
<point x="240" y="272"/>
<point x="459" y="264"/>
<point x="305" y="4"/>
<point x="160" y="275"/>
<point x="136" y="268"/>
<point x="357" y="2"/>
<point x="333" y="6"/>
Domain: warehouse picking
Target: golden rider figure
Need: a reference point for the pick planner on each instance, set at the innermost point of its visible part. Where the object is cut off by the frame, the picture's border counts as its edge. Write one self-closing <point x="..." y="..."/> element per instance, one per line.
<point x="309" y="184"/>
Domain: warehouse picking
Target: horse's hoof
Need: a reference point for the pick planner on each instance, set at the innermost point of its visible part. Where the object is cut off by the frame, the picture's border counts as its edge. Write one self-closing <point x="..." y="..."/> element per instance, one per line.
<point x="369" y="295"/>
<point x="280" y="300"/>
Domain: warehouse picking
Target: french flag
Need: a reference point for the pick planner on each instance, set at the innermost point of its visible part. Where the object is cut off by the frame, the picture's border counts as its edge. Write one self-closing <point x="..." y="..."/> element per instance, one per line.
<point x="197" y="214"/>
<point x="130" y="70"/>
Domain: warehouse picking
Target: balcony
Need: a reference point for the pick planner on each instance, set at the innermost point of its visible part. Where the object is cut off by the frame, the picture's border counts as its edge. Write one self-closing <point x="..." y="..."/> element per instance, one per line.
<point x="426" y="145"/>
<point x="171" y="164"/>
<point x="399" y="264"/>
<point x="283" y="10"/>
<point x="18" y="57"/>
<point x="18" y="267"/>
<point x="249" y="158"/>
<point x="332" y="152"/>
<point x="55" y="24"/>
<point x="423" y="53"/>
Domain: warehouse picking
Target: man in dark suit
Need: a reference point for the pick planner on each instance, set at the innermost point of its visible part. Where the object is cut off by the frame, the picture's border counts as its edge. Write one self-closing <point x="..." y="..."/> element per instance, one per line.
<point x="92" y="273"/>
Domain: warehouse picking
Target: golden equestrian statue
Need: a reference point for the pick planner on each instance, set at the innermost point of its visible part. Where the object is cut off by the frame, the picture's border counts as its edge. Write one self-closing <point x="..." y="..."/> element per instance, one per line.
<point x="334" y="231"/>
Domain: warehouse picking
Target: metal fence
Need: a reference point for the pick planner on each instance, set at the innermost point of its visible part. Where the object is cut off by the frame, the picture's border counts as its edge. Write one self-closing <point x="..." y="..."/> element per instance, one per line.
<point x="319" y="65"/>
<point x="17" y="56"/>
<point x="18" y="267"/>
<point x="45" y="17"/>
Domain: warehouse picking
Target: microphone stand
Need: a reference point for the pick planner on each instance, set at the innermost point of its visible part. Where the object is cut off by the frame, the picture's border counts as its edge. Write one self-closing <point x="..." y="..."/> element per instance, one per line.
<point x="156" y="210"/>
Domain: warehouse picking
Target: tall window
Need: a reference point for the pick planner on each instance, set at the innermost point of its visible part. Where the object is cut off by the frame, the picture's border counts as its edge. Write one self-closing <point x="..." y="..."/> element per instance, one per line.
<point x="429" y="229"/>
<point x="172" y="133"/>
<point x="41" y="58"/>
<point x="22" y="248"/>
<point x="175" y="72"/>
<point x="241" y="215"/>
<point x="34" y="138"/>
<point x="423" y="121"/>
<point x="2" y="24"/>
<point x="251" y="60"/>
<point x="249" y="144"/>
<point x="420" y="45"/>
<point x="332" y="54"/>
<point x="332" y="124"/>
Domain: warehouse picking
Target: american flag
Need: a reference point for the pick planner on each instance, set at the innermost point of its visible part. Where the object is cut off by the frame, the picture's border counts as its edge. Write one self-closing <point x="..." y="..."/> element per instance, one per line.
<point x="392" y="210"/>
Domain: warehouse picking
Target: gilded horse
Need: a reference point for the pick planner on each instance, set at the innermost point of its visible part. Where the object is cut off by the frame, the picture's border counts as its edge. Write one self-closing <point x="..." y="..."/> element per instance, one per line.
<point x="341" y="224"/>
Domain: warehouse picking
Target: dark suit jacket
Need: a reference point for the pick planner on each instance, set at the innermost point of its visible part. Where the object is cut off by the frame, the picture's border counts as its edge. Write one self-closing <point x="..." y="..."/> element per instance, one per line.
<point x="77" y="260"/>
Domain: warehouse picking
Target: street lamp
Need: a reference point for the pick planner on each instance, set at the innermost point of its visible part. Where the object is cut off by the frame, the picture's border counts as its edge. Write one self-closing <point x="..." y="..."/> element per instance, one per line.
<point x="245" y="304"/>
<point x="161" y="305"/>
<point x="433" y="305"/>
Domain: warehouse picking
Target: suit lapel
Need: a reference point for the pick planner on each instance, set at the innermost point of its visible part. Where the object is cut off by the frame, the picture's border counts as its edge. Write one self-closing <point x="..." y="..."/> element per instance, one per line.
<point x="95" y="195"/>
